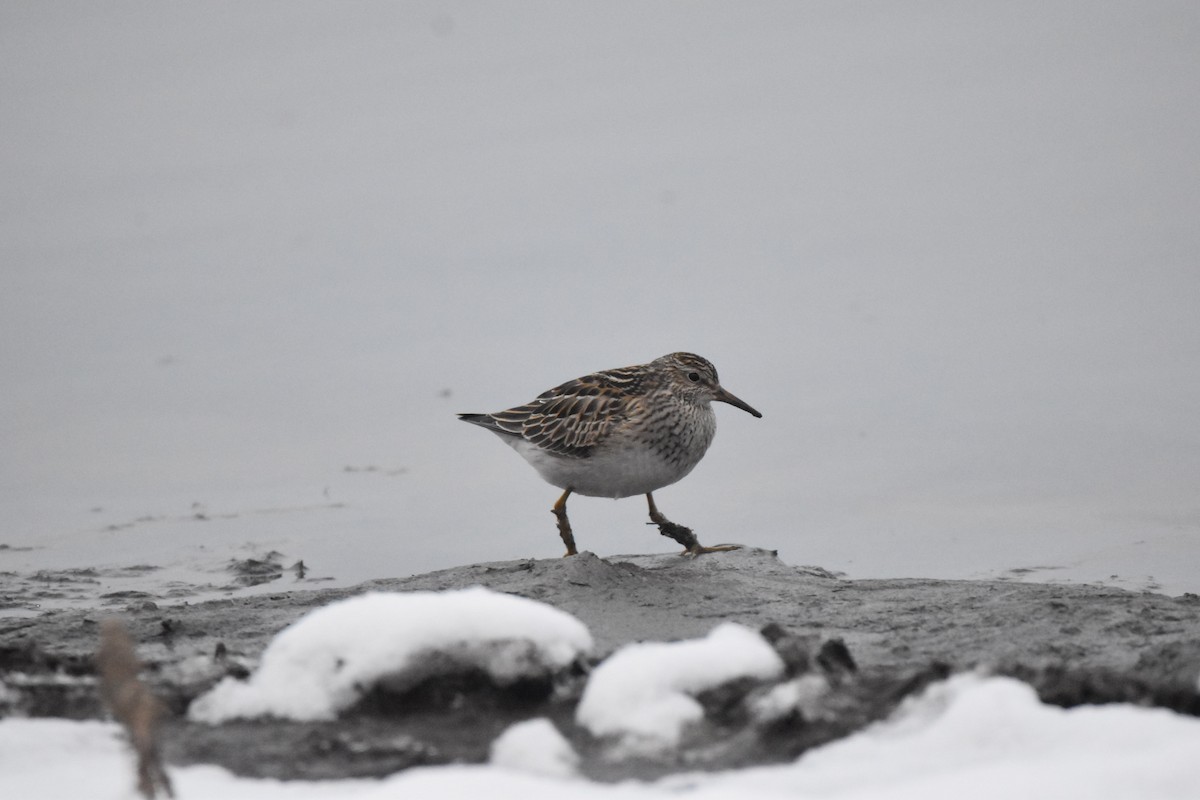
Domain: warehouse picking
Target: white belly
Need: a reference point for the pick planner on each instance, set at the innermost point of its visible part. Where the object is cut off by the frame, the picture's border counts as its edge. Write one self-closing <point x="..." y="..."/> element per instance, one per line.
<point x="622" y="472"/>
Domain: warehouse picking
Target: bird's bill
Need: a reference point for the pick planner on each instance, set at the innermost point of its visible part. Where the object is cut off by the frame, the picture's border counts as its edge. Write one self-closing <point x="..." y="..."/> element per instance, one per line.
<point x="726" y="397"/>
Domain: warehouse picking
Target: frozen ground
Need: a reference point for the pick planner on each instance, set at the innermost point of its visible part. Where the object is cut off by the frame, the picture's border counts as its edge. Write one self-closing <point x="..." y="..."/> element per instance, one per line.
<point x="976" y="734"/>
<point x="254" y="258"/>
<point x="673" y="684"/>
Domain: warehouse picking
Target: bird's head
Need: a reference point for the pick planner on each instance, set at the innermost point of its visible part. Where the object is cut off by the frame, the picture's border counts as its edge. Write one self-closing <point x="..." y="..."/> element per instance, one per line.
<point x="695" y="378"/>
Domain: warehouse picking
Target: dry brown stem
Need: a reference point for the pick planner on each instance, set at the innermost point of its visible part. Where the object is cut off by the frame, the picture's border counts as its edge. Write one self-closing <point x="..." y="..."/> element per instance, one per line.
<point x="132" y="704"/>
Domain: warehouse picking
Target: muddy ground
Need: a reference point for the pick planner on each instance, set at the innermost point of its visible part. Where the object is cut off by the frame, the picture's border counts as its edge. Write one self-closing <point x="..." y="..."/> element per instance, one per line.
<point x="873" y="641"/>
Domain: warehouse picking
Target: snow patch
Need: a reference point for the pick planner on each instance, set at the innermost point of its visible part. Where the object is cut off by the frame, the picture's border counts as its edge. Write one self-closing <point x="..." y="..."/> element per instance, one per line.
<point x="535" y="746"/>
<point x="986" y="737"/>
<point x="643" y="692"/>
<point x="328" y="659"/>
<point x="804" y="695"/>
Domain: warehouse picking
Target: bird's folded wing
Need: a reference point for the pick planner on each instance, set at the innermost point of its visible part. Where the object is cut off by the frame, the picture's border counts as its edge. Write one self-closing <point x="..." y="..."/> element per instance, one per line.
<point x="566" y="424"/>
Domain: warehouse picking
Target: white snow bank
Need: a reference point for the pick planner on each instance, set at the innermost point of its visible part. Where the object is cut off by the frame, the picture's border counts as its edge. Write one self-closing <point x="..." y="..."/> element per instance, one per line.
<point x="536" y="746"/>
<point x="325" y="661"/>
<point x="974" y="737"/>
<point x="58" y="759"/>
<point x="985" y="738"/>
<point x="643" y="691"/>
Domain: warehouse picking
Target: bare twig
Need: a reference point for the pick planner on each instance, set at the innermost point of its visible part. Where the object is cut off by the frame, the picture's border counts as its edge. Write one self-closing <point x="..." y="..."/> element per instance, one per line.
<point x="133" y="705"/>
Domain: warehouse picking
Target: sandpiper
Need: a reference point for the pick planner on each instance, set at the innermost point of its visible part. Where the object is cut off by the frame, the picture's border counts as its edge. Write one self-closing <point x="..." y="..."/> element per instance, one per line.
<point x="618" y="433"/>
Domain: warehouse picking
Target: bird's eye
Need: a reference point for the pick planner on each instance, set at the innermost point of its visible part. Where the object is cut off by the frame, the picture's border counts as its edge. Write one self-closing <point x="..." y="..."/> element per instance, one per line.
<point x="694" y="377"/>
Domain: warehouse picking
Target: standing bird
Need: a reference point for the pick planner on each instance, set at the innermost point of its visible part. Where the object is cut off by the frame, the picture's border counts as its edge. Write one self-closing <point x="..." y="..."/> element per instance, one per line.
<point x="618" y="433"/>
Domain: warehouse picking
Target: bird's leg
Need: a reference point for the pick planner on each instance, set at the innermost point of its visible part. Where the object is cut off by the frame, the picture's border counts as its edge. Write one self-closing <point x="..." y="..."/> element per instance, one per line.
<point x="564" y="525"/>
<point x="682" y="534"/>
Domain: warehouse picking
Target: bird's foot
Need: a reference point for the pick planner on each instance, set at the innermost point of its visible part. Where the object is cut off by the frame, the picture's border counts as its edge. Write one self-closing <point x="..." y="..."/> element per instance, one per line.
<point x="700" y="549"/>
<point x="679" y="533"/>
<point x="682" y="534"/>
<point x="687" y="538"/>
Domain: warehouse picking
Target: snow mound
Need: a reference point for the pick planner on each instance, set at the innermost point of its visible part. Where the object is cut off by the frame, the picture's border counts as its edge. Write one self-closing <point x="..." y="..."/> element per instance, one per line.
<point x="989" y="738"/>
<point x="535" y="746"/>
<point x="328" y="659"/>
<point x="805" y="695"/>
<point x="643" y="692"/>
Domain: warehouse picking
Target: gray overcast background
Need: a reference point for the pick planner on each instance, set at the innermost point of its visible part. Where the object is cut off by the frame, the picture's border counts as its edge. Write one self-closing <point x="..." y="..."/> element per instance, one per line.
<point x="949" y="250"/>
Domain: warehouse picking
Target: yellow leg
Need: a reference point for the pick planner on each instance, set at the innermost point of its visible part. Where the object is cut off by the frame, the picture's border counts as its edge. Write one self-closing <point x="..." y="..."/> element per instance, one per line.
<point x="564" y="525"/>
<point x="682" y="534"/>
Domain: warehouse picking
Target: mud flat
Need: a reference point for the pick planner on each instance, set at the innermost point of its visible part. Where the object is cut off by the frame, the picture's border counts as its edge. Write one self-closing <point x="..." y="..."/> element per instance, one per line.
<point x="870" y="643"/>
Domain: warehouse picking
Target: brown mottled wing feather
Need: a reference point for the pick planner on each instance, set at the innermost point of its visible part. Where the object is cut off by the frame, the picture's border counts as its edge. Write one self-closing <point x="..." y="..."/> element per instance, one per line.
<point x="571" y="419"/>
